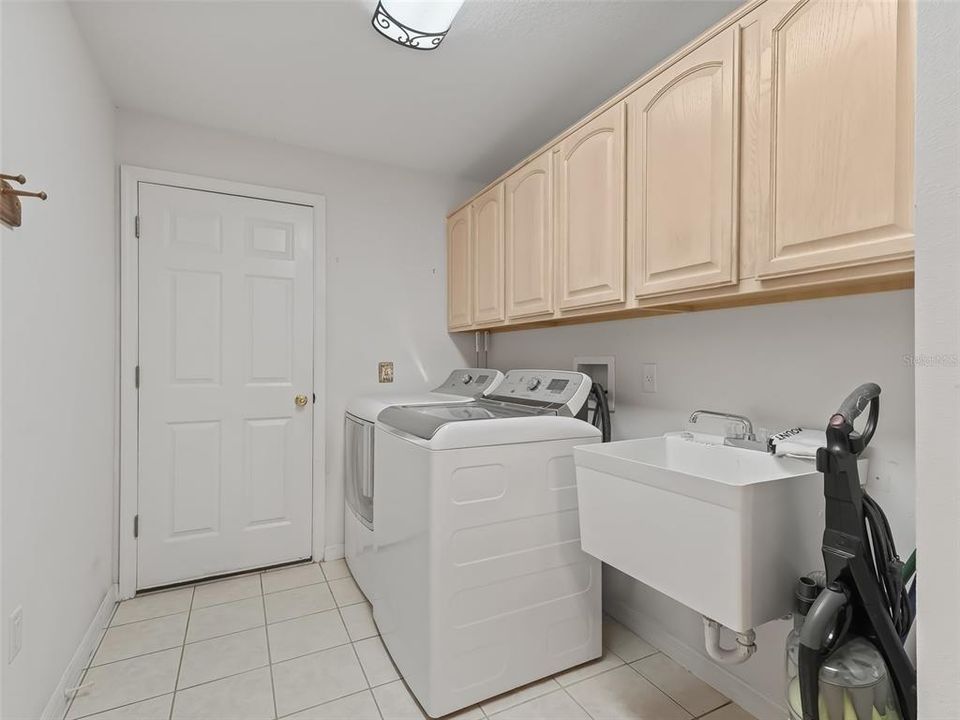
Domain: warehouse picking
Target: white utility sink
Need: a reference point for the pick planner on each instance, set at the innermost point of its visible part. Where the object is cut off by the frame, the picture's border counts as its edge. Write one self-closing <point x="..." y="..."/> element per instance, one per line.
<point x="725" y="531"/>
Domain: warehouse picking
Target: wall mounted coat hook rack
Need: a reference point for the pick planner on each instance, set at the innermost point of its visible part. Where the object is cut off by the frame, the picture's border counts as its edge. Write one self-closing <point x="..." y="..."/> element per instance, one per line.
<point x="10" y="210"/>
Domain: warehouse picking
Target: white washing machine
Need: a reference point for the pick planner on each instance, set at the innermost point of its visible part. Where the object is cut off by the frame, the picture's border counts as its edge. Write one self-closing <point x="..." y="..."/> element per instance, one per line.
<point x="462" y="386"/>
<point x="482" y="584"/>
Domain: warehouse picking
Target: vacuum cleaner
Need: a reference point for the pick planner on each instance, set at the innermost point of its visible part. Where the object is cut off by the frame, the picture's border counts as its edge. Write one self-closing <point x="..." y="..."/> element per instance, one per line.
<point x="851" y="621"/>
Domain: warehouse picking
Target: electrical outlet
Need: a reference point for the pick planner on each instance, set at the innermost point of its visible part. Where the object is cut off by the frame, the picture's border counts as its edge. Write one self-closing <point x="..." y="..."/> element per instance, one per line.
<point x="385" y="372"/>
<point x="649" y="382"/>
<point x="16" y="633"/>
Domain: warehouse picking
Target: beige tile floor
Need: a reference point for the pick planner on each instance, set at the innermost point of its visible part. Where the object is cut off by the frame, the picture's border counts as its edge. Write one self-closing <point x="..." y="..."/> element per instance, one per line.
<point x="300" y="643"/>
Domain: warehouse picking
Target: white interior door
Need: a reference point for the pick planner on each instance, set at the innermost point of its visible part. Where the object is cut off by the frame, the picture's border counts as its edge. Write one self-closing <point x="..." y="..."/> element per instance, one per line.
<point x="226" y="346"/>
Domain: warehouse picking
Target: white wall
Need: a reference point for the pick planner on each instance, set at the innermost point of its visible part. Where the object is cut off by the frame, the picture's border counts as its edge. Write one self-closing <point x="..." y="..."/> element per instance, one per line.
<point x="58" y="349"/>
<point x="385" y="259"/>
<point x="783" y="365"/>
<point x="938" y="350"/>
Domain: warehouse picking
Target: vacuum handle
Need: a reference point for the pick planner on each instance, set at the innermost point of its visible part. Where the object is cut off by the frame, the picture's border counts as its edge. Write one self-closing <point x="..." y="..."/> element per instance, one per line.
<point x="866" y="395"/>
<point x="858" y="400"/>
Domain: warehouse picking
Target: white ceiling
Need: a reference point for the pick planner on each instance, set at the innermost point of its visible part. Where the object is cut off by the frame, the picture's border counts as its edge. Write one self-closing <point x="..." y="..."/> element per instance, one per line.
<point x="508" y="77"/>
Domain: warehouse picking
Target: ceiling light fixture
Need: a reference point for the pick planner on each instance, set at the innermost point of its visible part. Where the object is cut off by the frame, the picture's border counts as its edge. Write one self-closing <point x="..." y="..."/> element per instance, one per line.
<point x="417" y="24"/>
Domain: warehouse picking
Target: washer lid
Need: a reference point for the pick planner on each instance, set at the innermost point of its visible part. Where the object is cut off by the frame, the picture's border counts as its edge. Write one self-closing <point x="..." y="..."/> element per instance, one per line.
<point x="424" y="421"/>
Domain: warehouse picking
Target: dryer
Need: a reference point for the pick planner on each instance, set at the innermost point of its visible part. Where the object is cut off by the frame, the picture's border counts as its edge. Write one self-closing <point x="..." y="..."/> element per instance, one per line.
<point x="482" y="583"/>
<point x="461" y="386"/>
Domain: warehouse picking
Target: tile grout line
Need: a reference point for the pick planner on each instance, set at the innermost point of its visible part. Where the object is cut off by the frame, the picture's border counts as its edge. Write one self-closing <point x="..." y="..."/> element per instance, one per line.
<point x="266" y="632"/>
<point x="183" y="649"/>
<point x="225" y="677"/>
<point x="328" y="702"/>
<point x="91" y="666"/>
<point x="138" y="655"/>
<point x="295" y="587"/>
<point x="356" y="654"/>
<point x="147" y="619"/>
<point x="376" y="704"/>
<point x="674" y="700"/>
<point x="353" y="647"/>
<point x="575" y="701"/>
<point x="700" y="717"/>
<point x="124" y="705"/>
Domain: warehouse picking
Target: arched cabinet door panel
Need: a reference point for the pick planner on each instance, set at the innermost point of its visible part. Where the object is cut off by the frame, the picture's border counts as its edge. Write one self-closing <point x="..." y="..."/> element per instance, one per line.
<point x="590" y="225"/>
<point x="487" y="219"/>
<point x="839" y="139"/>
<point x="682" y="173"/>
<point x="529" y="239"/>
<point x="459" y="315"/>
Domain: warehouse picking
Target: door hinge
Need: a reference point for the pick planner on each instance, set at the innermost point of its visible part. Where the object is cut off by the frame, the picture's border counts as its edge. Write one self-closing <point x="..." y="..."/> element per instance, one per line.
<point x="136" y="525"/>
<point x="136" y="377"/>
<point x="314" y="398"/>
<point x="136" y="226"/>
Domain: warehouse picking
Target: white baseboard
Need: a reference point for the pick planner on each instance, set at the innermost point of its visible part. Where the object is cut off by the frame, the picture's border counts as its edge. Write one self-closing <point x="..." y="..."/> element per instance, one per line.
<point x="57" y="705"/>
<point x="754" y="702"/>
<point x="333" y="552"/>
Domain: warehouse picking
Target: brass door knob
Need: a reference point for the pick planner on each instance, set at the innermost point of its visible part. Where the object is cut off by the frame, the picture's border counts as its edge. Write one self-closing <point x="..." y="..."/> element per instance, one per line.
<point x="300" y="400"/>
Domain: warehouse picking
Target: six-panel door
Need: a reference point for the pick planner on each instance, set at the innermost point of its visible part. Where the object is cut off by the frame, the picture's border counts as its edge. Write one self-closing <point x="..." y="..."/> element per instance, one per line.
<point x="529" y="239"/>
<point x="487" y="280"/>
<point x="681" y="207"/>
<point x="838" y="140"/>
<point x="590" y="232"/>
<point x="226" y="346"/>
<point x="459" y="263"/>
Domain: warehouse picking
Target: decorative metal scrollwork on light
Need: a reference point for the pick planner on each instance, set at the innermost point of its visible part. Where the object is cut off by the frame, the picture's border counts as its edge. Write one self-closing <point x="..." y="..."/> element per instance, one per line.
<point x="402" y="34"/>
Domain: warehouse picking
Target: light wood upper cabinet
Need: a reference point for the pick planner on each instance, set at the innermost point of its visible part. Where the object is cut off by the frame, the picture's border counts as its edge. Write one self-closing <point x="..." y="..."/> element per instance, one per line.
<point x="770" y="159"/>
<point x="529" y="238"/>
<point x="681" y="206"/>
<point x="459" y="265"/>
<point x="487" y="281"/>
<point x="838" y="140"/>
<point x="590" y="230"/>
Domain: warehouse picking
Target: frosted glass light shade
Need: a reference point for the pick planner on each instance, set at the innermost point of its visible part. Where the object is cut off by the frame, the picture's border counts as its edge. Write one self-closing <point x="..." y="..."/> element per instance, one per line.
<point x="417" y="24"/>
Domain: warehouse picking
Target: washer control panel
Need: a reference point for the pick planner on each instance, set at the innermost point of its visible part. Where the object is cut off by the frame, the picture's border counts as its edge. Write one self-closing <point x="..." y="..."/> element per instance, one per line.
<point x="471" y="382"/>
<point x="547" y="387"/>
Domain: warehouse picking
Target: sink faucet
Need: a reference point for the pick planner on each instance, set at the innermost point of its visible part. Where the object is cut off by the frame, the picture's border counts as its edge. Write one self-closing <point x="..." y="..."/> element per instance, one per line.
<point x="748" y="433"/>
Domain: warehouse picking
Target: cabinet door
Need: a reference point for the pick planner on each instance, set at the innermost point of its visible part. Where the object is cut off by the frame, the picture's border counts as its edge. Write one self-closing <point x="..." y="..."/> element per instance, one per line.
<point x="839" y="142"/>
<point x="458" y="270"/>
<point x="589" y="172"/>
<point x="529" y="239"/>
<point x="488" y="256"/>
<point x="681" y="173"/>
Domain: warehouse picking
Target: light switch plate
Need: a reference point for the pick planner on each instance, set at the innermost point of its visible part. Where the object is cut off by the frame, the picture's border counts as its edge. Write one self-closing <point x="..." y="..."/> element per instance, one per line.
<point x="385" y="372"/>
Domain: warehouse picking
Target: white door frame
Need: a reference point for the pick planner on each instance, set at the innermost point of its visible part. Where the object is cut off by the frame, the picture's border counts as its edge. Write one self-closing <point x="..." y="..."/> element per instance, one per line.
<point x="130" y="177"/>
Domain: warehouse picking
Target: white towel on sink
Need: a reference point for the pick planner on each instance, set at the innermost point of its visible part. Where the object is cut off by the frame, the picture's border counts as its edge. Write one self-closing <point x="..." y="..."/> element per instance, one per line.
<point x="797" y="442"/>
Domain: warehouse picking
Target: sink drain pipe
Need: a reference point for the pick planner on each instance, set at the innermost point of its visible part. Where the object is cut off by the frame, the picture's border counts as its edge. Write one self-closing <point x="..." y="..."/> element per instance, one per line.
<point x="746" y="645"/>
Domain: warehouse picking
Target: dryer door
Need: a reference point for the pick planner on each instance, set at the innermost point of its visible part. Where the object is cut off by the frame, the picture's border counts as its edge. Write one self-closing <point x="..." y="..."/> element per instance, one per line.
<point x="358" y="467"/>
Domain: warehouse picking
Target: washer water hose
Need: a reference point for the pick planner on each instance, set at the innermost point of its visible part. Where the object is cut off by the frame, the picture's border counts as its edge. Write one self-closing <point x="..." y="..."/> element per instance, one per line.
<point x="601" y="411"/>
<point x="746" y="644"/>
